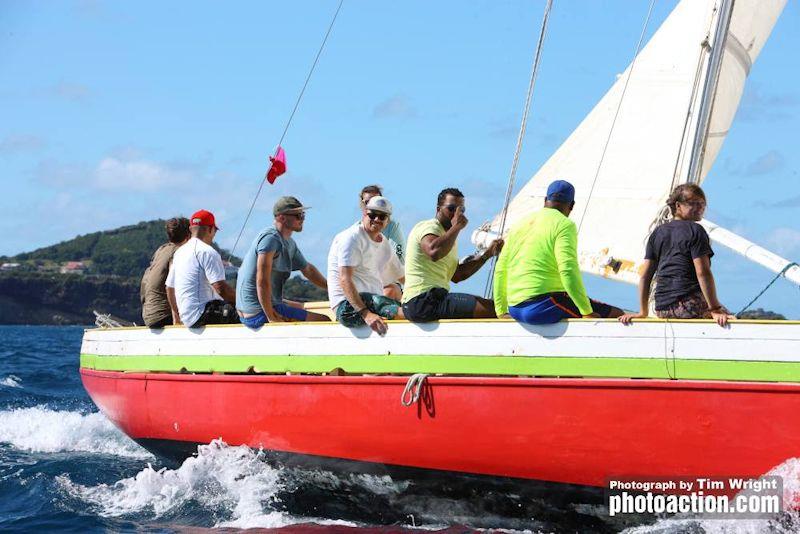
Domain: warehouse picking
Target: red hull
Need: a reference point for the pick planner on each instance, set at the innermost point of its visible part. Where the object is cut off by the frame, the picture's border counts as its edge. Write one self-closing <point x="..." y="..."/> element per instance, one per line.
<point x="576" y="431"/>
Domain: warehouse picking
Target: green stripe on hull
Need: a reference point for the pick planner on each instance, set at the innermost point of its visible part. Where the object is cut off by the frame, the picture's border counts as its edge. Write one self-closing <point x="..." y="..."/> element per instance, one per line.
<point x="457" y="365"/>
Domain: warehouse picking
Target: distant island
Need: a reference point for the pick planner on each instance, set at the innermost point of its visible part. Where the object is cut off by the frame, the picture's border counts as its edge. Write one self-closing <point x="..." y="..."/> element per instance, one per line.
<point x="63" y="283"/>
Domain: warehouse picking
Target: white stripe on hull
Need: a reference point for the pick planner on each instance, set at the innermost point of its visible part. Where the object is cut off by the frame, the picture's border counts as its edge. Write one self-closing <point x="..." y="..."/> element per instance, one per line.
<point x="777" y="341"/>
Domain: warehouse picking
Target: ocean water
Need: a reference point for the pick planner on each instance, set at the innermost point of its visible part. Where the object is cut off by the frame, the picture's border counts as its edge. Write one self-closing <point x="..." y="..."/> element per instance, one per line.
<point x="65" y="467"/>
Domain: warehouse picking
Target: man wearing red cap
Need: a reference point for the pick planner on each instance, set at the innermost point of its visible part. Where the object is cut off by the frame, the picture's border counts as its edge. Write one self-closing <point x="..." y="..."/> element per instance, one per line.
<point x="196" y="282"/>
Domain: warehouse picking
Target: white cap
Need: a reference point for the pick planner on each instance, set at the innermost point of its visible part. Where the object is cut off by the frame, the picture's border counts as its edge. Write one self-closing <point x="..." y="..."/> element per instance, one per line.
<point x="379" y="203"/>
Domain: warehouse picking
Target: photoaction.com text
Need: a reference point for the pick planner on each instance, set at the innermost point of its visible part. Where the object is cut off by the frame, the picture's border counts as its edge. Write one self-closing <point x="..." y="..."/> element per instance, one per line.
<point x="729" y="496"/>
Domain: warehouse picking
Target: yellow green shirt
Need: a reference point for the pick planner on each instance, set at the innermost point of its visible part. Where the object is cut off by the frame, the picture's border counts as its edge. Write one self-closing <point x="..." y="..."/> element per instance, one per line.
<point x="540" y="256"/>
<point x="422" y="273"/>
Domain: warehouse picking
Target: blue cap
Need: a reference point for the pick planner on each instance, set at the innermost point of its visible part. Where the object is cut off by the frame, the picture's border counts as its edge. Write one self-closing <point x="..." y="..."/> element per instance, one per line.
<point x="561" y="191"/>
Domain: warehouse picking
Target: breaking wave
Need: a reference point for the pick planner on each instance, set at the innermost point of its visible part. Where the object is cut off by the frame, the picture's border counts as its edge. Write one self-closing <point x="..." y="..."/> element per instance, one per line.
<point x="11" y="381"/>
<point x="233" y="480"/>
<point x="787" y="522"/>
<point x="40" y="429"/>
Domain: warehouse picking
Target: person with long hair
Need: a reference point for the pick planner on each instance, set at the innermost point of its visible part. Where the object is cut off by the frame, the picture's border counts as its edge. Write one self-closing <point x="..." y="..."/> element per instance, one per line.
<point x="679" y="255"/>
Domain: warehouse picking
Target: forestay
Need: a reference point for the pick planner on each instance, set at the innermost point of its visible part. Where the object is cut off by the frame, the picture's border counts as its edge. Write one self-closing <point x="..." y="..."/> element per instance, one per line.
<point x="648" y="151"/>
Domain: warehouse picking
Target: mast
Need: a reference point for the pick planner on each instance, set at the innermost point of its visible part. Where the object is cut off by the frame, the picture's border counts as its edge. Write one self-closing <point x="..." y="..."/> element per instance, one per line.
<point x="709" y="91"/>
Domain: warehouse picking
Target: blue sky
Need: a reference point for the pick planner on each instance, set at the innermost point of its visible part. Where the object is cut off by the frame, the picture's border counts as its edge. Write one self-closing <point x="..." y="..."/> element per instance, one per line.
<point x="113" y="113"/>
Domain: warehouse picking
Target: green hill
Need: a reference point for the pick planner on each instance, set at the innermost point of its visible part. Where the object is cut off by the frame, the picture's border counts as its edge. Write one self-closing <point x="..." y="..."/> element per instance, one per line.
<point x="34" y="291"/>
<point x="124" y="251"/>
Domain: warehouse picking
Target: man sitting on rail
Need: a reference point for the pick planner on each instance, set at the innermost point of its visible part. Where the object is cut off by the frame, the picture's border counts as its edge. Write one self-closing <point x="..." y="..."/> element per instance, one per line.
<point x="362" y="262"/>
<point x="432" y="263"/>
<point x="537" y="279"/>
<point x="268" y="263"/>
<point x="196" y="286"/>
<point x="156" y="309"/>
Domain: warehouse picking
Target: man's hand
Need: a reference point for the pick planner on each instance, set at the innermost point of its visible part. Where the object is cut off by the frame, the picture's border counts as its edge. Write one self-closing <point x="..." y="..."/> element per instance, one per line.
<point x="626" y="317"/>
<point x="459" y="220"/>
<point x="375" y="322"/>
<point x="494" y="248"/>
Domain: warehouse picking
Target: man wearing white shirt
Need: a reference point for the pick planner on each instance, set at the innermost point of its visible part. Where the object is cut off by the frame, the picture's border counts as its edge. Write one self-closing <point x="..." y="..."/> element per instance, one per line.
<point x="361" y="262"/>
<point x="196" y="287"/>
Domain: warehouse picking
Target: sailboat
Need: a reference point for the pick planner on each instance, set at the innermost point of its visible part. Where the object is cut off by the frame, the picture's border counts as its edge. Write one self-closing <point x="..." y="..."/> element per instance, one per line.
<point x="577" y="402"/>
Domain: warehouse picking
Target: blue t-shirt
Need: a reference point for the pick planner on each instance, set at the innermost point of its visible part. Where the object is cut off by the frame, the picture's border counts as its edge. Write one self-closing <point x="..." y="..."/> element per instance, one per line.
<point x="287" y="258"/>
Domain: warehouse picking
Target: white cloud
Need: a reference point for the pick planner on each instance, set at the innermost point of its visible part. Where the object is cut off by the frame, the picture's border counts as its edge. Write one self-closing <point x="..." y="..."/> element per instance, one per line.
<point x="785" y="241"/>
<point x="397" y="106"/>
<point x="75" y="92"/>
<point x="765" y="163"/>
<point x="771" y="107"/>
<point x="139" y="175"/>
<point x="12" y="144"/>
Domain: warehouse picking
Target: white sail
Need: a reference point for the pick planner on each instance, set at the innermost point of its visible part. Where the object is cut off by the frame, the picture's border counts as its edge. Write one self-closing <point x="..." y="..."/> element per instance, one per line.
<point x="632" y="167"/>
<point x="751" y="24"/>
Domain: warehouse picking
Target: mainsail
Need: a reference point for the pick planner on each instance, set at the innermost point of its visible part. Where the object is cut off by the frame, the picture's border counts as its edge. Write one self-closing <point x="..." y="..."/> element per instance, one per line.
<point x="638" y="142"/>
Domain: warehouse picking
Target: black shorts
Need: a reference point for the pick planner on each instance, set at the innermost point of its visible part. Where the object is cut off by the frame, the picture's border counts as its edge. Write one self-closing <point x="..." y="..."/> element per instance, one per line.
<point x="438" y="303"/>
<point x="217" y="312"/>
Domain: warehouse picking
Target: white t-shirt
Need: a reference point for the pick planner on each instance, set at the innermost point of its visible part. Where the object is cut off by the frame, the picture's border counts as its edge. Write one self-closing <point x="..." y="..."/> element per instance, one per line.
<point x="375" y="263"/>
<point x="195" y="266"/>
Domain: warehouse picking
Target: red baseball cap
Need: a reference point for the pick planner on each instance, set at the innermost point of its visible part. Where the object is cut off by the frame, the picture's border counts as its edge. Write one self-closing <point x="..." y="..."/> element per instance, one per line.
<point x="203" y="218"/>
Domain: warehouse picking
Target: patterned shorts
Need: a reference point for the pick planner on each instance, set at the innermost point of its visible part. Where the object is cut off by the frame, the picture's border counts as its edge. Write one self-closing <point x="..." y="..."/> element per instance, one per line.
<point x="692" y="306"/>
<point x="383" y="306"/>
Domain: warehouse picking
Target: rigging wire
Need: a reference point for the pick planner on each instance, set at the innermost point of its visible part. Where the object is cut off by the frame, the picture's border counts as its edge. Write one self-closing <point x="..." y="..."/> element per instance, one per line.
<point x="288" y="123"/>
<point x="783" y="272"/>
<point x="616" y="113"/>
<point x="521" y="136"/>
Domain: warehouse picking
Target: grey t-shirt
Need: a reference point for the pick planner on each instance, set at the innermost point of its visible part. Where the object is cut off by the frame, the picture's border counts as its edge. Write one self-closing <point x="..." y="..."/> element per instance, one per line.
<point x="287" y="258"/>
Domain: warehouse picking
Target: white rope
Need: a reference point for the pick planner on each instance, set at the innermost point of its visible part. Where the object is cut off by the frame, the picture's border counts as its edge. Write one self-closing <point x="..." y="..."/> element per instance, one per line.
<point x="521" y="136"/>
<point x="413" y="389"/>
<point x="106" y="320"/>
<point x="616" y="114"/>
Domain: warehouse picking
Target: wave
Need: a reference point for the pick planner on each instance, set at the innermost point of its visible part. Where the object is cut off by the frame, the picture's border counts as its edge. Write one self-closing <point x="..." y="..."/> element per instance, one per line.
<point x="234" y="482"/>
<point x="40" y="429"/>
<point x="11" y="381"/>
<point x="787" y="522"/>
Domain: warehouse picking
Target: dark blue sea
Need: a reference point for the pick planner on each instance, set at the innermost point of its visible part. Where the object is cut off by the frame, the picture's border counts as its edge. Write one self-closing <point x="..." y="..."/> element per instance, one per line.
<point x="64" y="467"/>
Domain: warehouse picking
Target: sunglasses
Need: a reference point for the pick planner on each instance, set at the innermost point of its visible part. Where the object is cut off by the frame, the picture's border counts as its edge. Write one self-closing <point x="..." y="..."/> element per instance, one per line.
<point x="452" y="208"/>
<point x="300" y="216"/>
<point x="377" y="215"/>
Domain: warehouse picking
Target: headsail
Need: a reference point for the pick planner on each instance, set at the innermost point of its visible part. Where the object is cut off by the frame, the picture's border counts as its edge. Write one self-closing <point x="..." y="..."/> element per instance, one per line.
<point x="649" y="148"/>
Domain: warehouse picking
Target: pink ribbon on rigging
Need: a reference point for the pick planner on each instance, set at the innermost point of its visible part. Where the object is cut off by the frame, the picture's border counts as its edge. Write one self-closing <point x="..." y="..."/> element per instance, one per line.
<point x="277" y="165"/>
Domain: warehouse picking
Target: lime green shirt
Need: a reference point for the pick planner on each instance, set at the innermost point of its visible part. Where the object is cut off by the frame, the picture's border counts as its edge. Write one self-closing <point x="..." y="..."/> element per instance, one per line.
<point x="540" y="256"/>
<point x="422" y="273"/>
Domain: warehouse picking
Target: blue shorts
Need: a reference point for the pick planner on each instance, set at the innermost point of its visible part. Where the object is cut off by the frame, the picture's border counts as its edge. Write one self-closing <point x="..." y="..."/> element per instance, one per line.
<point x="551" y="308"/>
<point x="256" y="321"/>
<point x="290" y="312"/>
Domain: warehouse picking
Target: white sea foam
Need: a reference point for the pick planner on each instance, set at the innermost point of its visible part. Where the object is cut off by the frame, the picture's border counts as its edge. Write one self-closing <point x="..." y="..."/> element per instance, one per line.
<point x="789" y="523"/>
<point x="232" y="482"/>
<point x="40" y="429"/>
<point x="11" y="381"/>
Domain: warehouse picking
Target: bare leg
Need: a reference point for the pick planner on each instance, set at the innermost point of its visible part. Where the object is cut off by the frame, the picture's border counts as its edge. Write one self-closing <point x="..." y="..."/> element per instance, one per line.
<point x="484" y="309"/>
<point x="393" y="292"/>
<point x="615" y="312"/>
<point x="312" y="316"/>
